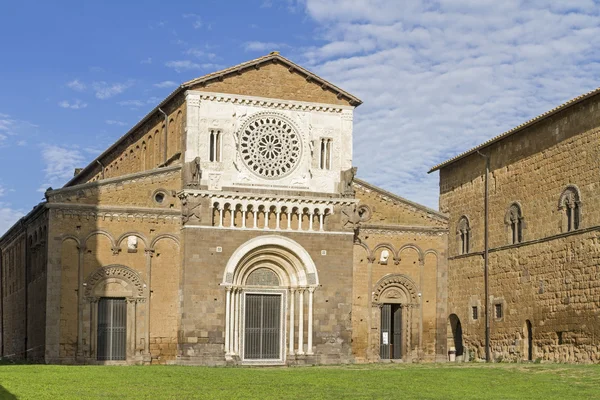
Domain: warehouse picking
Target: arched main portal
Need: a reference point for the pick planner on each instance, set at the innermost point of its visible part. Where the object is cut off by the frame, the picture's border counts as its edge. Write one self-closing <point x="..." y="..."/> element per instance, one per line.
<point x="395" y="297"/>
<point x="267" y="281"/>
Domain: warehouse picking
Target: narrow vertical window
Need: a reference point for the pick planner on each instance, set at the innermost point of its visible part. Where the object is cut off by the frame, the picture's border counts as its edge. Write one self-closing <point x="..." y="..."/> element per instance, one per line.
<point x="570" y="204"/>
<point x="474" y="312"/>
<point x="463" y="233"/>
<point x="322" y="157"/>
<point x="514" y="220"/>
<point x="218" y="147"/>
<point x="498" y="310"/>
<point x="215" y="146"/>
<point x="212" y="146"/>
<point x="328" y="155"/>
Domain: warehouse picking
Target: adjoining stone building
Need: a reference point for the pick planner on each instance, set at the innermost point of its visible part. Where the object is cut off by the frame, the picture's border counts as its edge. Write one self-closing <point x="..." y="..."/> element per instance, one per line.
<point x="226" y="227"/>
<point x="544" y="239"/>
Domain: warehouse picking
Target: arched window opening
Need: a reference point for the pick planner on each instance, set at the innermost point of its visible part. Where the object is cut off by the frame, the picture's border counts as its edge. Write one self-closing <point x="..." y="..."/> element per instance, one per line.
<point x="570" y="204"/>
<point x="514" y="220"/>
<point x="463" y="233"/>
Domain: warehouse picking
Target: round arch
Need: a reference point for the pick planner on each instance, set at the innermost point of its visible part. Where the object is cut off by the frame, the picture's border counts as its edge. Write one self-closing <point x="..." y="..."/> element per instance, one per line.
<point x="286" y="253"/>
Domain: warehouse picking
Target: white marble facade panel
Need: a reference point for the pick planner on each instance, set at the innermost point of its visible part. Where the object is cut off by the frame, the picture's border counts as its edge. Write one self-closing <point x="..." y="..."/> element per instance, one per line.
<point x="311" y="122"/>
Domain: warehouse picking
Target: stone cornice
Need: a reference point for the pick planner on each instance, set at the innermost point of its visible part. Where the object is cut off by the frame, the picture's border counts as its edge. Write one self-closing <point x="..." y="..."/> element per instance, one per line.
<point x="129" y="178"/>
<point x="528" y="242"/>
<point x="271" y="198"/>
<point x="265" y="102"/>
<point x="400" y="230"/>
<point x="69" y="210"/>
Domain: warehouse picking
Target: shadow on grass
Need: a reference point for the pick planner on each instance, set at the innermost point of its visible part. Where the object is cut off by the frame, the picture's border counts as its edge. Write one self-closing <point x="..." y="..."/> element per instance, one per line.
<point x="6" y="395"/>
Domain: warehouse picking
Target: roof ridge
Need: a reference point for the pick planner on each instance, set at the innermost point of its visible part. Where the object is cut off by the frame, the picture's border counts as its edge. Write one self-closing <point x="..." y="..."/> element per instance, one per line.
<point x="541" y="117"/>
<point x="400" y="198"/>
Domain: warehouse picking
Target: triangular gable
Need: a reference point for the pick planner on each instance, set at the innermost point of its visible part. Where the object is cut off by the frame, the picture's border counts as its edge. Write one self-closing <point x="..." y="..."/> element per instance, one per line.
<point x="386" y="208"/>
<point x="276" y="77"/>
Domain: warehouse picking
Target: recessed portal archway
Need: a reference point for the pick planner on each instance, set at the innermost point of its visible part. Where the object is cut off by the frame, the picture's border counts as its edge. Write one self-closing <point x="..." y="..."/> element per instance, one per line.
<point x="267" y="281"/>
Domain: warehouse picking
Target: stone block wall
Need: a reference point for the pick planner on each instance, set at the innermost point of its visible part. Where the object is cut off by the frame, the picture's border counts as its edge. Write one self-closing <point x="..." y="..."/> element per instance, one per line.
<point x="23" y="251"/>
<point x="91" y="227"/>
<point x="549" y="279"/>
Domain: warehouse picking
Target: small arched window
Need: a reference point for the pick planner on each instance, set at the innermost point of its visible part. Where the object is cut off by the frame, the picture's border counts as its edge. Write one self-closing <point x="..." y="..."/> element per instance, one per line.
<point x="514" y="220"/>
<point x="570" y="205"/>
<point x="463" y="234"/>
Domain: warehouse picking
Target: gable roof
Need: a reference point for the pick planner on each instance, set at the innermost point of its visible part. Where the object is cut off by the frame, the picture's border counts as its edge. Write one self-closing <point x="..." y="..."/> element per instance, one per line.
<point x="273" y="57"/>
<point x="518" y="128"/>
<point x="399" y="199"/>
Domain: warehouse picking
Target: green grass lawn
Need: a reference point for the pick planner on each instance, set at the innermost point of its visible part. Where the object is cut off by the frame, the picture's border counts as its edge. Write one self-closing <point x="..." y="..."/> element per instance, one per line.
<point x="389" y="381"/>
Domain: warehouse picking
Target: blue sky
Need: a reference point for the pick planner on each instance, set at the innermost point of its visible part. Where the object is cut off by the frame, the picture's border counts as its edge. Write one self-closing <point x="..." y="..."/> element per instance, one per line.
<point x="436" y="77"/>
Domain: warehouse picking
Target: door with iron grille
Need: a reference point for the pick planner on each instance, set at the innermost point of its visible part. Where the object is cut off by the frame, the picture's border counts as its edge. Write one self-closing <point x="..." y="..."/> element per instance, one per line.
<point x="262" y="329"/>
<point x="391" y="332"/>
<point x="112" y="331"/>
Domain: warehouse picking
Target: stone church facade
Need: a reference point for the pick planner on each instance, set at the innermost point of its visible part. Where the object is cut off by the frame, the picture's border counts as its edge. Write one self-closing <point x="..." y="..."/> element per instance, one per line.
<point x="543" y="239"/>
<point x="227" y="227"/>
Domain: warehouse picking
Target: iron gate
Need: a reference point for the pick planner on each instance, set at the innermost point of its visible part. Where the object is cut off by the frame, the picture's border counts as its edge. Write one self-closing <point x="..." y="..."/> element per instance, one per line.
<point x="112" y="331"/>
<point x="262" y="327"/>
<point x="391" y="332"/>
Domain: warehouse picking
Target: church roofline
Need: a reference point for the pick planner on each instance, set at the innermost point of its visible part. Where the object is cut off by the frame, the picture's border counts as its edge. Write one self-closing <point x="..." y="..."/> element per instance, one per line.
<point x="518" y="129"/>
<point x="219" y="75"/>
<point x="400" y="199"/>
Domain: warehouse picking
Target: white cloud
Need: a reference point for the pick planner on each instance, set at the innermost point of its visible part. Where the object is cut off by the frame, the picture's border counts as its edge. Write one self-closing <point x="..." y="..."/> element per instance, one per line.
<point x="146" y="61"/>
<point x="114" y="122"/>
<point x="184" y="65"/>
<point x="76" y="85"/>
<point x="197" y="21"/>
<point x="74" y="105"/>
<point x="166" y="84"/>
<point x="8" y="217"/>
<point x="2" y="191"/>
<point x="131" y="103"/>
<point x="199" y="53"/>
<point x="107" y="90"/>
<point x="263" y="46"/>
<point x="439" y="78"/>
<point x="60" y="163"/>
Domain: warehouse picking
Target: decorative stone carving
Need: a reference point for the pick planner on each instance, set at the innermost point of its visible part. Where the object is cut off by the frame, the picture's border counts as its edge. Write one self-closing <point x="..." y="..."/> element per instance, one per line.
<point x="190" y="212"/>
<point x="214" y="181"/>
<point x="396" y="283"/>
<point x="346" y="179"/>
<point x="350" y="217"/>
<point x="132" y="243"/>
<point x="383" y="259"/>
<point x="114" y="271"/>
<point x="192" y="173"/>
<point x="270" y="146"/>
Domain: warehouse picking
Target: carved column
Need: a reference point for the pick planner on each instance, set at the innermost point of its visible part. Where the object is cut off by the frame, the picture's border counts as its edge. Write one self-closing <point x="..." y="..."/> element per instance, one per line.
<point x="93" y="327"/>
<point x="220" y="216"/>
<point x="370" y="261"/>
<point x="232" y="211"/>
<point x="236" y="316"/>
<point x="80" y="305"/>
<point x="289" y="220"/>
<point x="254" y="215"/>
<point x="149" y="255"/>
<point x="310" y="321"/>
<point x="277" y="221"/>
<point x="300" y="322"/>
<point x="243" y="217"/>
<point x="131" y="328"/>
<point x="291" y="340"/>
<point x="310" y="220"/>
<point x="321" y="221"/>
<point x="232" y="322"/>
<point x="267" y="212"/>
<point x="227" y="317"/>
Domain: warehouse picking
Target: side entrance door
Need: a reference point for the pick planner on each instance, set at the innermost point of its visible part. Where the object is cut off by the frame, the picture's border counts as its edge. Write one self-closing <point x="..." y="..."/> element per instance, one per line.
<point x="112" y="331"/>
<point x="391" y="332"/>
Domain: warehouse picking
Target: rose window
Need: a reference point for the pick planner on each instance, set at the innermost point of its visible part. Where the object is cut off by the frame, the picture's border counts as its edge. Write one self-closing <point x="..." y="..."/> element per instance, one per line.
<point x="270" y="147"/>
